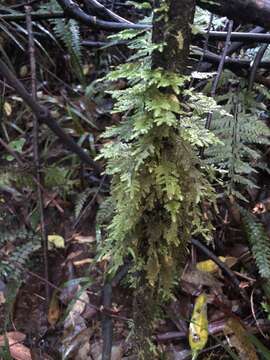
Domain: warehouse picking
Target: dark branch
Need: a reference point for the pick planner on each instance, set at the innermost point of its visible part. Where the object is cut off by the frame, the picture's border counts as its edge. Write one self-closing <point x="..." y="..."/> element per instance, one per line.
<point x="34" y="15"/>
<point x="93" y="6"/>
<point x="244" y="11"/>
<point x="73" y="11"/>
<point x="229" y="62"/>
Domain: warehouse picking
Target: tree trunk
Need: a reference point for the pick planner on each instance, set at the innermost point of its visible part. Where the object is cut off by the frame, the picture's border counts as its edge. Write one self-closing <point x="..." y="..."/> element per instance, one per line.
<point x="172" y="26"/>
<point x="246" y="11"/>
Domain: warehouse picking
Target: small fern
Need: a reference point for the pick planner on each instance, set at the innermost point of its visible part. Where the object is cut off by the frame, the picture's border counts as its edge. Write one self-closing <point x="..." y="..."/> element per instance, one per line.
<point x="105" y="212"/>
<point x="68" y="31"/>
<point x="26" y="243"/>
<point x="259" y="242"/>
<point x="238" y="157"/>
<point x="82" y="200"/>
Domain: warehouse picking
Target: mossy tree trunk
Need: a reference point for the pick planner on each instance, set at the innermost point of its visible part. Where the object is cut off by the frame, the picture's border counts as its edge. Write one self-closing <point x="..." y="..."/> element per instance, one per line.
<point x="172" y="29"/>
<point x="172" y="26"/>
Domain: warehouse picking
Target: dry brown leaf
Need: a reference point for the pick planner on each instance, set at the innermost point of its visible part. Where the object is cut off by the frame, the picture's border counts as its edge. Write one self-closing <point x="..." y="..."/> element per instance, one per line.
<point x="198" y="278"/>
<point x="2" y="298"/>
<point x="18" y="351"/>
<point x="84" y="239"/>
<point x="239" y="340"/>
<point x="83" y="262"/>
<point x="54" y="310"/>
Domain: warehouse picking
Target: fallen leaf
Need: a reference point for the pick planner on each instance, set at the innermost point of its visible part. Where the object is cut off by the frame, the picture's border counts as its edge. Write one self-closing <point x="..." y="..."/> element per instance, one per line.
<point x="18" y="351"/>
<point x="239" y="340"/>
<point x="211" y="267"/>
<point x="84" y="239"/>
<point x="23" y="71"/>
<point x="57" y="241"/>
<point x="199" y="278"/>
<point x="83" y="262"/>
<point x="198" y="329"/>
<point x="54" y="310"/>
<point x="7" y="108"/>
<point x="2" y="298"/>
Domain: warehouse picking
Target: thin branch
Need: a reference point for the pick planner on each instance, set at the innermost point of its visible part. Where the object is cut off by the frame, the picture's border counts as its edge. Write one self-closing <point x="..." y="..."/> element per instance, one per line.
<point x="100" y="10"/>
<point x="219" y="72"/>
<point x="34" y="15"/>
<point x="44" y="116"/>
<point x="255" y="65"/>
<point x="36" y="150"/>
<point x="222" y="265"/>
<point x="229" y="62"/>
<point x="244" y="37"/>
<point x="73" y="10"/>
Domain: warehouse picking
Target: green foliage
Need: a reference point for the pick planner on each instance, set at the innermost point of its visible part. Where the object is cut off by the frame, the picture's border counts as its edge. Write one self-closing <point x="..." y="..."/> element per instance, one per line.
<point x="158" y="182"/>
<point x="57" y="178"/>
<point x="241" y="131"/>
<point x="25" y="242"/>
<point x="68" y="31"/>
<point x="82" y="200"/>
<point x="259" y="242"/>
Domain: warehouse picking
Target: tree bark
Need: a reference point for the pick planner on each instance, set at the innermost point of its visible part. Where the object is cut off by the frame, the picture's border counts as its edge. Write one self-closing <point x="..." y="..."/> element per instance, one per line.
<point x="172" y="27"/>
<point x="245" y="11"/>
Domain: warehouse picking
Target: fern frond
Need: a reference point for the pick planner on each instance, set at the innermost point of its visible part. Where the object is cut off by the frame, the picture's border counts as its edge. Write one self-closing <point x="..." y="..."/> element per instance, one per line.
<point x="240" y="132"/>
<point x="27" y="242"/>
<point x="68" y="31"/>
<point x="81" y="201"/>
<point x="259" y="242"/>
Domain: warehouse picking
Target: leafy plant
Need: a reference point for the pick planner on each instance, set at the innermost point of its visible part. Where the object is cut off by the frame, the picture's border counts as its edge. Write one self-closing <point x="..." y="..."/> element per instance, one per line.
<point x="241" y="132"/>
<point x="68" y="31"/>
<point x="27" y="242"/>
<point x="158" y="182"/>
<point x="259" y="242"/>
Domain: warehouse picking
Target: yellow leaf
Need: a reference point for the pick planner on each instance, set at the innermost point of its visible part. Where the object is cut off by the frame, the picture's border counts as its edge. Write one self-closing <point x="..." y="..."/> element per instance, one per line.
<point x="56" y="240"/>
<point x="207" y="266"/>
<point x="7" y="108"/>
<point x="211" y="267"/>
<point x="23" y="71"/>
<point x="198" y="329"/>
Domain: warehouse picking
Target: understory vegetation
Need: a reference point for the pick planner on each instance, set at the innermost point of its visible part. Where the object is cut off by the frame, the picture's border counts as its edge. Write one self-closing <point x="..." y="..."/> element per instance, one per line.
<point x="134" y="190"/>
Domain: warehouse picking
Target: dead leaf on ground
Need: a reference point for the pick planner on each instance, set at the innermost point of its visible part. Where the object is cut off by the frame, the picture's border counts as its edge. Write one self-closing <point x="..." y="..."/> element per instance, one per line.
<point x="54" y="309"/>
<point x="201" y="278"/>
<point x="17" y="350"/>
<point x="211" y="267"/>
<point x="96" y="351"/>
<point x="239" y="340"/>
<point x="84" y="239"/>
<point x="83" y="262"/>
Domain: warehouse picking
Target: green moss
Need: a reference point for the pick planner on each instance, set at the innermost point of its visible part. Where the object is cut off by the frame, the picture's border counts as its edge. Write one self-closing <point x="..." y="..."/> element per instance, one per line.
<point x="158" y="181"/>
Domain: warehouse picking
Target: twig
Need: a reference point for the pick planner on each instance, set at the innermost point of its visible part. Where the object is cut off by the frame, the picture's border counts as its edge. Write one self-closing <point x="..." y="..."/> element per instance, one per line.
<point x="100" y="10"/>
<point x="217" y="78"/>
<point x="222" y="265"/>
<point x="219" y="72"/>
<point x="233" y="47"/>
<point x="44" y="116"/>
<point x="255" y="65"/>
<point x="74" y="11"/>
<point x="44" y="236"/>
<point x="107" y="324"/>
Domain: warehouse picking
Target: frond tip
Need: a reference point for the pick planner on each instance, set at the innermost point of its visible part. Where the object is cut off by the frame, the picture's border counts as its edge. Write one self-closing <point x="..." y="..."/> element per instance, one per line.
<point x="259" y="242"/>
